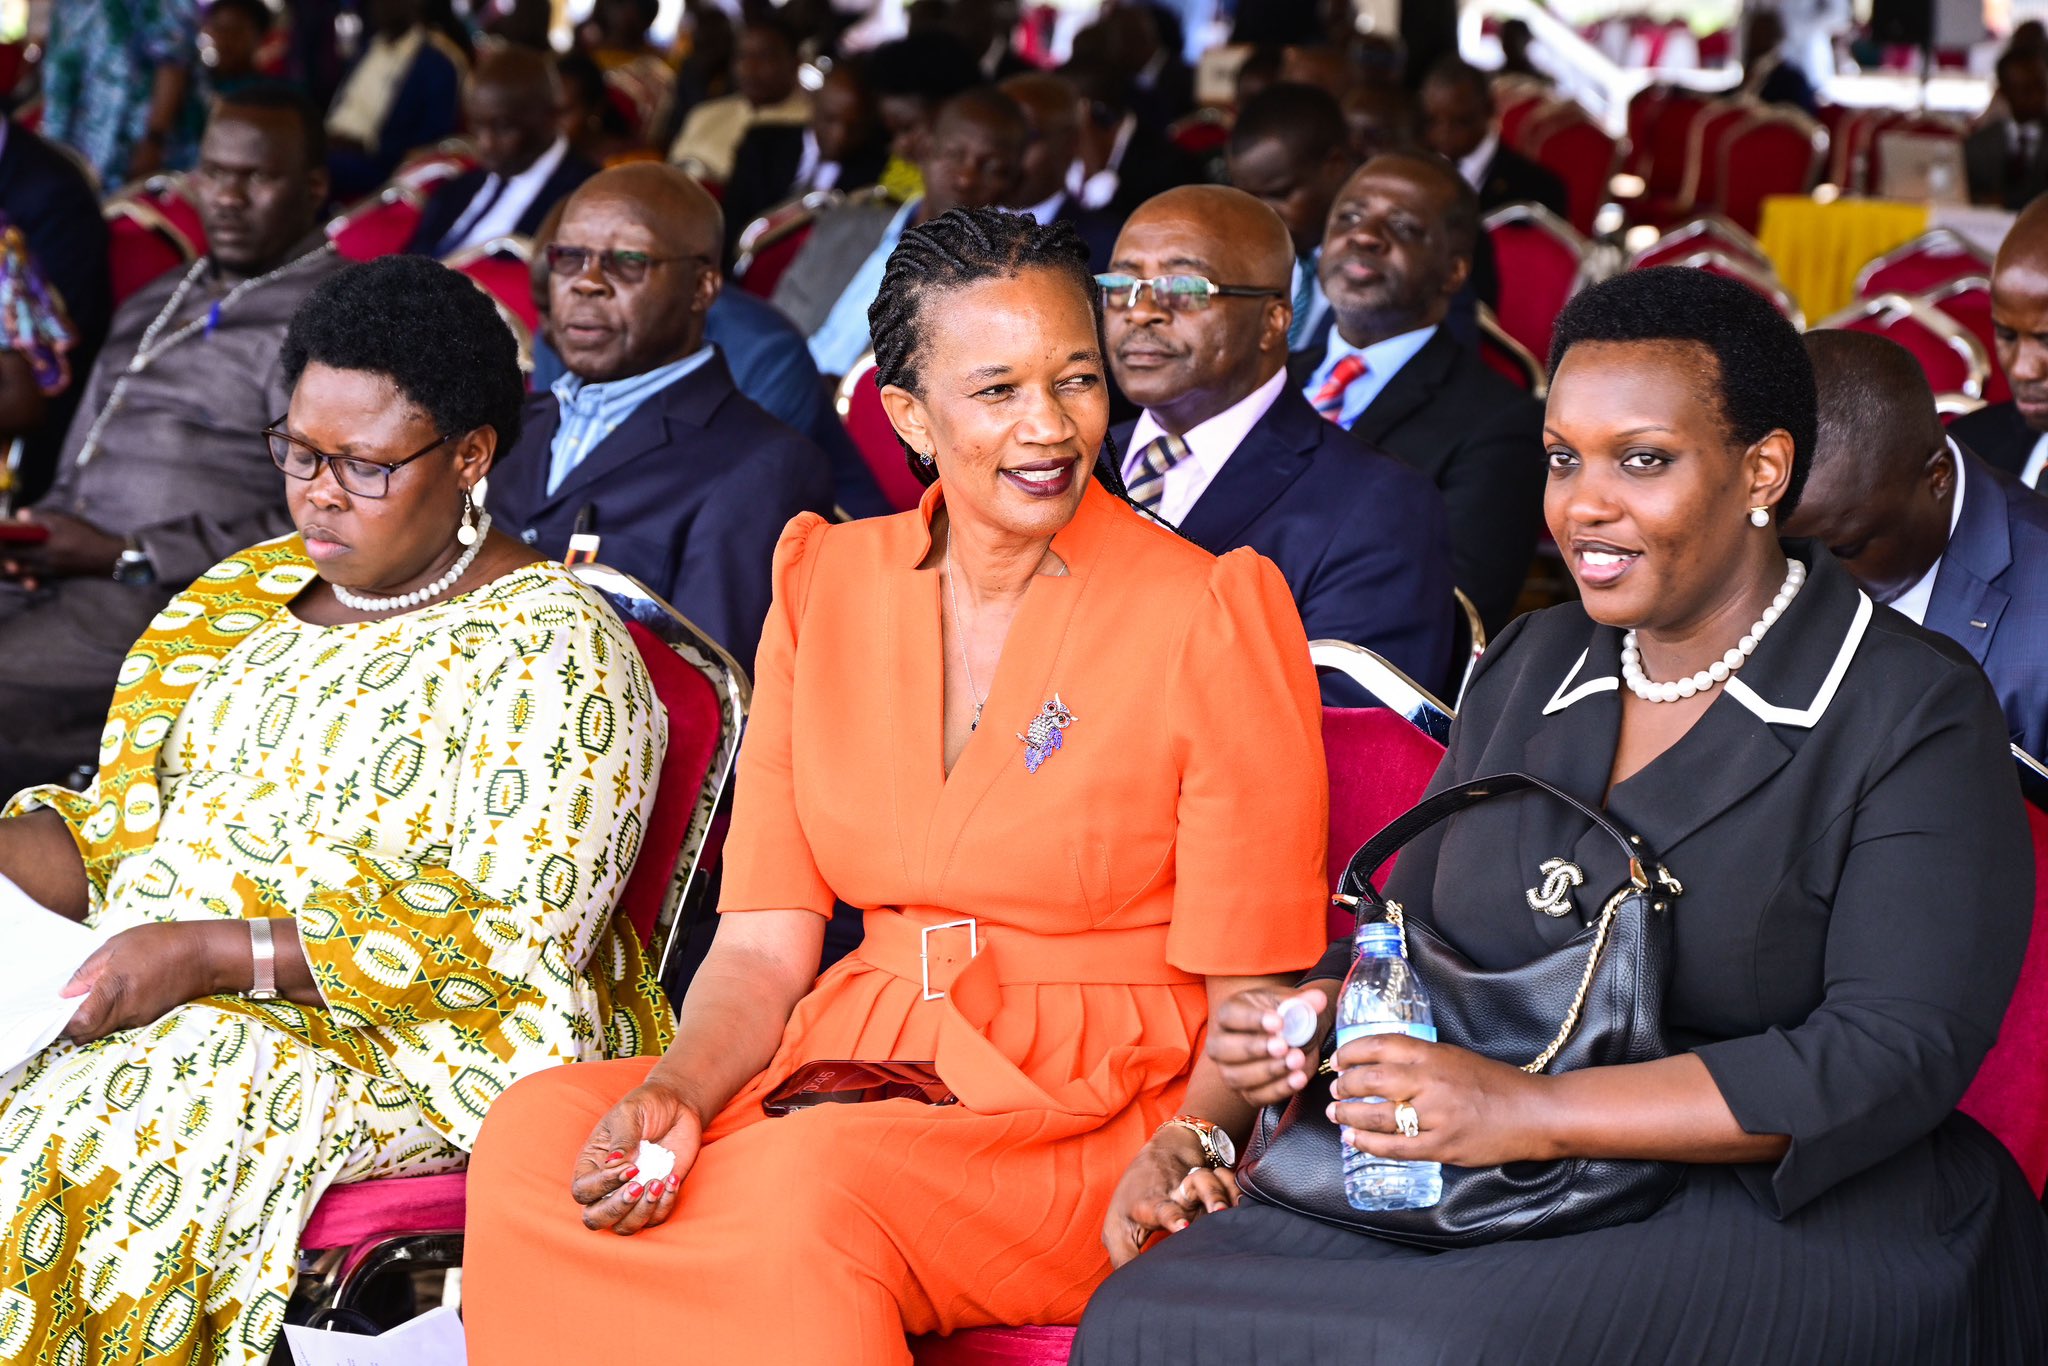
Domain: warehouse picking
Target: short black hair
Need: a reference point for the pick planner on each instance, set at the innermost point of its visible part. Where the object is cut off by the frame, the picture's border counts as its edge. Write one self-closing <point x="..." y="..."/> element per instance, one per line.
<point x="429" y="330"/>
<point x="581" y="74"/>
<point x="1874" y="404"/>
<point x="774" y="22"/>
<point x="1457" y="71"/>
<point x="932" y="65"/>
<point x="1306" y="117"/>
<point x="1763" y="380"/>
<point x="2016" y="56"/>
<point x="288" y="98"/>
<point x="255" y="11"/>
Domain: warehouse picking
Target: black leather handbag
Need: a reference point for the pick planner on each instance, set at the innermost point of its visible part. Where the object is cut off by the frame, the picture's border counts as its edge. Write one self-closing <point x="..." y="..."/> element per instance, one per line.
<point x="1594" y="1002"/>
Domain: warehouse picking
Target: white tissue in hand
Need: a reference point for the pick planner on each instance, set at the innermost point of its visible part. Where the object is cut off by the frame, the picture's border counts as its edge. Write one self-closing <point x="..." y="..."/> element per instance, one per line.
<point x="654" y="1161"/>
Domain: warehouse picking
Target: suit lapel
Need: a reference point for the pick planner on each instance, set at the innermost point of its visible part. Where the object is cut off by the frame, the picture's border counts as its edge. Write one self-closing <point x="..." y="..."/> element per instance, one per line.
<point x="1965" y="606"/>
<point x="1410" y="389"/>
<point x="654" y="426"/>
<point x="1262" y="468"/>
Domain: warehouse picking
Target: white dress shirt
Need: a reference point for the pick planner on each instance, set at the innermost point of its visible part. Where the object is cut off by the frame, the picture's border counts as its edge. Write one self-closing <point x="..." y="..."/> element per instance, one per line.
<point x="1473" y="166"/>
<point x="1210" y="444"/>
<point x="1913" y="602"/>
<point x="500" y="204"/>
<point x="1095" y="191"/>
<point x="2036" y="463"/>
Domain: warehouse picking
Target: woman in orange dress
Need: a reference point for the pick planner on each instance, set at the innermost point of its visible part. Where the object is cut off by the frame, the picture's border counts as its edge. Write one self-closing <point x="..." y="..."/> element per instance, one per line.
<point x="1162" y="848"/>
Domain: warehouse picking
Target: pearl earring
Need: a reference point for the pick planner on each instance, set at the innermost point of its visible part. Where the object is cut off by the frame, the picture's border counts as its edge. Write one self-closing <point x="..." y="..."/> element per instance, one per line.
<point x="1760" y="516"/>
<point x="466" y="533"/>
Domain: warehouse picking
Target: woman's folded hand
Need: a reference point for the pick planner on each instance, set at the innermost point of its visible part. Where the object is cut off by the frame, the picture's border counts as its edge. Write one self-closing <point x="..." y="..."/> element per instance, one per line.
<point x="1471" y="1110"/>
<point x="1252" y="1057"/>
<point x="144" y="973"/>
<point x="1166" y="1187"/>
<point x="607" y="1183"/>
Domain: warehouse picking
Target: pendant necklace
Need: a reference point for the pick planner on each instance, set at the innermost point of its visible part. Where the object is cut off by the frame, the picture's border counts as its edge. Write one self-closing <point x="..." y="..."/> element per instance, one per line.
<point x="960" y="629"/>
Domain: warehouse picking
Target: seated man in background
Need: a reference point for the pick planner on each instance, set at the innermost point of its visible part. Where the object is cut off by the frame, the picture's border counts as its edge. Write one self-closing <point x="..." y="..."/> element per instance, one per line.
<point x="1231" y="454"/>
<point x="524" y="164"/>
<point x="231" y="43"/>
<point x="766" y="90"/>
<point x="1458" y="124"/>
<point x="1291" y="148"/>
<point x="1124" y="159"/>
<point x="1925" y="526"/>
<point x="912" y="77"/>
<point x="404" y="93"/>
<point x="1052" y="108"/>
<point x="1398" y="250"/>
<point x="2006" y="158"/>
<point x="843" y="147"/>
<point x="645" y="443"/>
<point x="971" y="161"/>
<point x="2013" y="435"/>
<point x="163" y="473"/>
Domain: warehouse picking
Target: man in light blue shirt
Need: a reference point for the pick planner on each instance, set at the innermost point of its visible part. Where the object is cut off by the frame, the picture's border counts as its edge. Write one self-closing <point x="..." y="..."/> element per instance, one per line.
<point x="971" y="161"/>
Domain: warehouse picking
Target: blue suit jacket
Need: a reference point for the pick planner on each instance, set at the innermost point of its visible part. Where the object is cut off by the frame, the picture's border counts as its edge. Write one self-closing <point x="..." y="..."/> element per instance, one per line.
<point x="444" y="208"/>
<point x="1991" y="594"/>
<point x="427" y="108"/>
<point x="688" y="495"/>
<point x="1360" y="537"/>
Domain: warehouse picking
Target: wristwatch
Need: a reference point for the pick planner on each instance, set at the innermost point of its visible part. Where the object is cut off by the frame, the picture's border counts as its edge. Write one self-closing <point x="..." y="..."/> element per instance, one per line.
<point x="133" y="566"/>
<point x="263" y="950"/>
<point x="1217" y="1149"/>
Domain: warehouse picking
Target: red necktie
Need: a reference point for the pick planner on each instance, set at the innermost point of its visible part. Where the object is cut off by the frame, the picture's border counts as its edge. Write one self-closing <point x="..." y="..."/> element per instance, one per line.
<point x="1329" y="400"/>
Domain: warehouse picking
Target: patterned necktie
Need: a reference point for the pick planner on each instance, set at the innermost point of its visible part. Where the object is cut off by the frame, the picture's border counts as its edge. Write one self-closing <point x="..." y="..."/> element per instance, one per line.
<point x="1160" y="454"/>
<point x="1329" y="400"/>
<point x="1304" y="299"/>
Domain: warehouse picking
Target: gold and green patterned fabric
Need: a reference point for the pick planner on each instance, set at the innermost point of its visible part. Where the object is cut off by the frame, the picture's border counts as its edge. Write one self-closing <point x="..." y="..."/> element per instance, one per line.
<point x="448" y="804"/>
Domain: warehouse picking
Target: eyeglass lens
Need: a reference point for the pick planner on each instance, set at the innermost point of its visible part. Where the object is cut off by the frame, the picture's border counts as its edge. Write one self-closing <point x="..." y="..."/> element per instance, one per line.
<point x="364" y="478"/>
<point x="1178" y="292"/>
<point x="620" y="267"/>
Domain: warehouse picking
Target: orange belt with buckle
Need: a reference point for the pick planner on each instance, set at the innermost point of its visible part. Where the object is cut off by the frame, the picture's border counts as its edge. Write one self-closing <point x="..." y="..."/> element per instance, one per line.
<point x="932" y="951"/>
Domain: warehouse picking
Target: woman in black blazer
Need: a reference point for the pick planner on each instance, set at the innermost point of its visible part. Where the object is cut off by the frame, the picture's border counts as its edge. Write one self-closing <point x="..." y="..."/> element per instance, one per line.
<point x="1858" y="886"/>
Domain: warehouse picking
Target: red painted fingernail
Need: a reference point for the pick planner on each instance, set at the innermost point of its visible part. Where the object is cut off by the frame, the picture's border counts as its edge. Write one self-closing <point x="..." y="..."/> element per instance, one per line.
<point x="616" y="1157"/>
<point x="675" y="1182"/>
<point x="633" y="1191"/>
<point x="629" y="1173"/>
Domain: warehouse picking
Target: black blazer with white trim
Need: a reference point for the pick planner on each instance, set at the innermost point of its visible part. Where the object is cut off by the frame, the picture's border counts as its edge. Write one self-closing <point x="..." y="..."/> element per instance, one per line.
<point x="1849" y="830"/>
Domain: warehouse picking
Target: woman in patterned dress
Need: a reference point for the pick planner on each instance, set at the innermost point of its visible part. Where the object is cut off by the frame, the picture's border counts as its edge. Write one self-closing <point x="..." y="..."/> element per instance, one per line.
<point x="419" y="769"/>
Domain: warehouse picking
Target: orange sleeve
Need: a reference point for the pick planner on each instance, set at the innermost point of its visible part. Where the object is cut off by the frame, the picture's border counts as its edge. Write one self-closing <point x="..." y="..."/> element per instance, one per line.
<point x="768" y="863"/>
<point x="1254" y="815"/>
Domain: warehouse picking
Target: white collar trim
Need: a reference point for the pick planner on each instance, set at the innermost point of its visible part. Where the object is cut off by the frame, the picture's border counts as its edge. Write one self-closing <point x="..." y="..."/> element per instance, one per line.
<point x="1561" y="699"/>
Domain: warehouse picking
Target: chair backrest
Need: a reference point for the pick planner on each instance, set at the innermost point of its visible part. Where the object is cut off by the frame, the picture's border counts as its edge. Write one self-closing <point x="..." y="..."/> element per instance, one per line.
<point x="769" y="243"/>
<point x="141" y="245"/>
<point x="1930" y="260"/>
<point x="1756" y="277"/>
<point x="1542" y="261"/>
<point x="1952" y="406"/>
<point x="1519" y="109"/>
<point x="1202" y="132"/>
<point x="1508" y="358"/>
<point x="1671" y="141"/>
<point x="1579" y="152"/>
<point x="1954" y="360"/>
<point x="378" y="227"/>
<point x="2010" y="1094"/>
<point x="1851" y="165"/>
<point x="1968" y="302"/>
<point x="860" y="410"/>
<point x="1644" y="107"/>
<point x="706" y="695"/>
<point x="1773" y="151"/>
<point x="1710" y="232"/>
<point x="1703" y="162"/>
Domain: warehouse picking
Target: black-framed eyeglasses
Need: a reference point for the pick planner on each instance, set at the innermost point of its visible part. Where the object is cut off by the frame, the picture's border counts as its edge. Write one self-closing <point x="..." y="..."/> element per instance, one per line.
<point x="620" y="267"/>
<point x="1176" y="293"/>
<point x="363" y="478"/>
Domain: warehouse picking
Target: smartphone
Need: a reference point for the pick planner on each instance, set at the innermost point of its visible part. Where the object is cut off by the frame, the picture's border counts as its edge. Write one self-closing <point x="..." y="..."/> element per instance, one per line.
<point x="850" y="1083"/>
<point x="23" y="533"/>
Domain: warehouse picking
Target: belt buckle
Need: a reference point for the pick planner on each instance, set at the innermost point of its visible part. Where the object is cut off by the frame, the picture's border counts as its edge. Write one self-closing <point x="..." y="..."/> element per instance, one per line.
<point x="924" y="950"/>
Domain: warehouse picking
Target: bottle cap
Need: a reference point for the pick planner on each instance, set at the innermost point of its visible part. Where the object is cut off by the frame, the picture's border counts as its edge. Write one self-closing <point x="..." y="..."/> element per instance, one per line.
<point x="1297" y="1022"/>
<point x="1381" y="938"/>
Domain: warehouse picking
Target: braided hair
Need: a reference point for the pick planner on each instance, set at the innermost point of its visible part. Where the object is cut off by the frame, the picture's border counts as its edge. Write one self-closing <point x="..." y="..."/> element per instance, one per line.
<point x="965" y="247"/>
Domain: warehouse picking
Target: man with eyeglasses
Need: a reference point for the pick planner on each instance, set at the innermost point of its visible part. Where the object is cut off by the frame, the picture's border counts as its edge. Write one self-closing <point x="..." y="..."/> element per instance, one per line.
<point x="1396" y="252"/>
<point x="971" y="161"/>
<point x="1196" y="312"/>
<point x="645" y="445"/>
<point x="162" y="473"/>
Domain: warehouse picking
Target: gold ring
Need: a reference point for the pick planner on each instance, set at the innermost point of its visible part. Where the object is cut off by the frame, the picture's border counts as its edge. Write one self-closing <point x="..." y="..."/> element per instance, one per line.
<point x="1406" y="1120"/>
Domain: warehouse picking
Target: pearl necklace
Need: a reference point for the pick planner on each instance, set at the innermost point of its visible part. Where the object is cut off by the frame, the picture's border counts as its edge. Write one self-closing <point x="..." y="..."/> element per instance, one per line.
<point x="147" y="350"/>
<point x="1721" y="669"/>
<point x="419" y="595"/>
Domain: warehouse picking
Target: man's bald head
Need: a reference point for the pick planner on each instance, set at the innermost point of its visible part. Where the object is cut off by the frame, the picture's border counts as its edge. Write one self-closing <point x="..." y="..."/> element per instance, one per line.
<point x="509" y="103"/>
<point x="633" y="271"/>
<point x="1186" y="361"/>
<point x="672" y="205"/>
<point x="1882" y="482"/>
<point x="2019" y="312"/>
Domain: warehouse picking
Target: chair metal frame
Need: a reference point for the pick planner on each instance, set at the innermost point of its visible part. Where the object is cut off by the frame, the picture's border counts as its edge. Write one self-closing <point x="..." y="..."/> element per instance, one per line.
<point x="1492" y="331"/>
<point x="1956" y="405"/>
<point x="771" y="227"/>
<point x="1926" y="241"/>
<point x="1764" y="281"/>
<point x="519" y="248"/>
<point x="1776" y="116"/>
<point x="1720" y="233"/>
<point x="391" y="194"/>
<point x="144" y="214"/>
<point x="1735" y="108"/>
<point x="1387" y="685"/>
<point x="1890" y="308"/>
<point x="1475" y="635"/>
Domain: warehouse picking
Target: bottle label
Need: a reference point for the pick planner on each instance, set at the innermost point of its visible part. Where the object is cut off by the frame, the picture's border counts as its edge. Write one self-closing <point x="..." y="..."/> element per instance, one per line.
<point x="1346" y="1033"/>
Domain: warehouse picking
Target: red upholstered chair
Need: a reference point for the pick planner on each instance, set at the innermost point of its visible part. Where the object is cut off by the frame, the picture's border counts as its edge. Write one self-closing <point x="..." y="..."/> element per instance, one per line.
<point x="1508" y="358"/>
<point x="1669" y="145"/>
<point x="1698" y="184"/>
<point x="1717" y="48"/>
<point x="1968" y="301"/>
<point x="1201" y="133"/>
<point x="2010" y="1095"/>
<point x="1758" y="278"/>
<point x="429" y="166"/>
<point x="1709" y="233"/>
<point x="141" y="245"/>
<point x="860" y="410"/>
<point x="378" y="227"/>
<point x="1835" y="118"/>
<point x="1930" y="260"/>
<point x="362" y="1228"/>
<point x="1644" y="109"/>
<point x="1953" y="406"/>
<point x="1519" y="110"/>
<point x="1953" y="359"/>
<point x="1774" y="151"/>
<point x="1540" y="258"/>
<point x="1704" y="163"/>
<point x="501" y="267"/>
<point x="1581" y="154"/>
<point x="769" y="243"/>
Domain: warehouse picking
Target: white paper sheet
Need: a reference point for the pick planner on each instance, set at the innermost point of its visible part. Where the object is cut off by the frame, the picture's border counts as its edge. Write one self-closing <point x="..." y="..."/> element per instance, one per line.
<point x="433" y="1339"/>
<point x="39" y="950"/>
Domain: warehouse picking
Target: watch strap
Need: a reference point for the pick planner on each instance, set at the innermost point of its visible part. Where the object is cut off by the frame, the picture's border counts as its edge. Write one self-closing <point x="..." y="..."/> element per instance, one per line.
<point x="1204" y="1131"/>
<point x="263" y="953"/>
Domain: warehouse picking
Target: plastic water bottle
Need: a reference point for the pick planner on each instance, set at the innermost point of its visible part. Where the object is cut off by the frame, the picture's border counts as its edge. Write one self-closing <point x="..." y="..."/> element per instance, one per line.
<point x="1383" y="996"/>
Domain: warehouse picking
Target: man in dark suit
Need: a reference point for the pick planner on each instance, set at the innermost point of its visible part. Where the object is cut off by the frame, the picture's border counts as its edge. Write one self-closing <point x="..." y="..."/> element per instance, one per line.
<point x="1227" y="450"/>
<point x="2006" y="159"/>
<point x="1123" y="159"/>
<point x="1291" y="148"/>
<point x="524" y="164"/>
<point x="1925" y="526"/>
<point x="2013" y="436"/>
<point x="1458" y="124"/>
<point x="1397" y="252"/>
<point x="645" y="444"/>
<point x="403" y="92"/>
<point x="45" y="194"/>
<point x="843" y="147"/>
<point x="1052" y="111"/>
